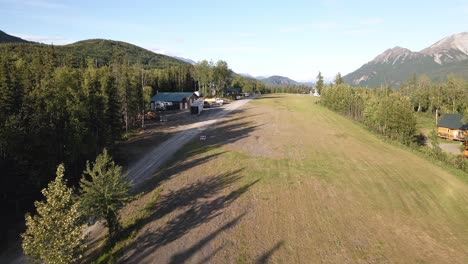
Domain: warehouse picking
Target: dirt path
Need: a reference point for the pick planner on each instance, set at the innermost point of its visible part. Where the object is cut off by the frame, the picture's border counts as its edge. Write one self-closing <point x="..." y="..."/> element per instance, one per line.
<point x="150" y="163"/>
<point x="450" y="148"/>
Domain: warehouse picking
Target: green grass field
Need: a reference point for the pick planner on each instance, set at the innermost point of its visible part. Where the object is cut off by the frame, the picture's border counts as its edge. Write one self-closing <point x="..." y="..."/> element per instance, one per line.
<point x="304" y="185"/>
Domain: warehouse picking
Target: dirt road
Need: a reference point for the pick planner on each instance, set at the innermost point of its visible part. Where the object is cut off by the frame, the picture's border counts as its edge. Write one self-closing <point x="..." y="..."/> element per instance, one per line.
<point x="146" y="166"/>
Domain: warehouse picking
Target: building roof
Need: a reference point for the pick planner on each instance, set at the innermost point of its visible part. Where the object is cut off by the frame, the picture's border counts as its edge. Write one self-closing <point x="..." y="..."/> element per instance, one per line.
<point x="233" y="90"/>
<point x="452" y="121"/>
<point x="170" y="97"/>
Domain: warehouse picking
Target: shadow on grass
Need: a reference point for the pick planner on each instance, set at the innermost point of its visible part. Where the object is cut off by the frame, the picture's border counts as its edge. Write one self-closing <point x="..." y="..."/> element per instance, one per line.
<point x="183" y="256"/>
<point x="198" y="212"/>
<point x="263" y="259"/>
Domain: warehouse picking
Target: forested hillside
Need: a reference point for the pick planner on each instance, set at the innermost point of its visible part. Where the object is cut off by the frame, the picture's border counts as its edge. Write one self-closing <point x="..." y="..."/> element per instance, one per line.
<point x="101" y="51"/>
<point x="5" y="38"/>
<point x="53" y="110"/>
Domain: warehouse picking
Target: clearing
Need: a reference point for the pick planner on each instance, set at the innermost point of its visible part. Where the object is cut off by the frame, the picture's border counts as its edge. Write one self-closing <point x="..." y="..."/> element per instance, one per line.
<point x="285" y="180"/>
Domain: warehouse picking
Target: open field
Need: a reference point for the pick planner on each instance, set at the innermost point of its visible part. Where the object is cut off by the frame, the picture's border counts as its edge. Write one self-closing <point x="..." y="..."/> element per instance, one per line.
<point x="285" y="180"/>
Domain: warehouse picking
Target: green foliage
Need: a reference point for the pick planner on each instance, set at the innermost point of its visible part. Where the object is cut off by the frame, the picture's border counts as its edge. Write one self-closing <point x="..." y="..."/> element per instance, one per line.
<point x="426" y="96"/>
<point x="221" y="76"/>
<point x="436" y="151"/>
<point x="104" y="190"/>
<point x="388" y="114"/>
<point x="212" y="79"/>
<point x="338" y="79"/>
<point x="55" y="234"/>
<point x="319" y="83"/>
<point x="293" y="88"/>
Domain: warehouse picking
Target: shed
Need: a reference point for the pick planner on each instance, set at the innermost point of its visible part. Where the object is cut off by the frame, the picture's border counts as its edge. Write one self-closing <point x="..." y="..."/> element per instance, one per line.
<point x="180" y="100"/>
<point x="451" y="127"/>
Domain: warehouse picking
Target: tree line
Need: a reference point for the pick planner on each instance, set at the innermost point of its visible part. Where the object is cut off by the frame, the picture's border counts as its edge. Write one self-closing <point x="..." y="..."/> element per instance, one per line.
<point x="382" y="110"/>
<point x="59" y="109"/>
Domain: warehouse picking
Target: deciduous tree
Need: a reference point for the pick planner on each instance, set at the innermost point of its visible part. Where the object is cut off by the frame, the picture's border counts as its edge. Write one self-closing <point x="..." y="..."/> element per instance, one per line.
<point x="55" y="234"/>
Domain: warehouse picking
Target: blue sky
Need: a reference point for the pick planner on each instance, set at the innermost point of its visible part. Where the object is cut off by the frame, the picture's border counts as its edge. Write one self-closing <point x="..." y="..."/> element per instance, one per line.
<point x="289" y="38"/>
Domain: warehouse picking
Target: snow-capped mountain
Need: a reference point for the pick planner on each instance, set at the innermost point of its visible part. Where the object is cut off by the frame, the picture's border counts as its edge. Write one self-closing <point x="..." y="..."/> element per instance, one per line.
<point x="394" y="66"/>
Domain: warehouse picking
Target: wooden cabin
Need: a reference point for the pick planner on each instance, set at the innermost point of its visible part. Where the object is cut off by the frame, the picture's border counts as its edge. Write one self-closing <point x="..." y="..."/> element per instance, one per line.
<point x="465" y="151"/>
<point x="451" y="127"/>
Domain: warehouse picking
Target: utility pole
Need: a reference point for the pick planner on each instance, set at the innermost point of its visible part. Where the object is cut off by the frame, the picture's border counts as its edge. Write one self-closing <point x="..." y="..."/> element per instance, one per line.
<point x="143" y="95"/>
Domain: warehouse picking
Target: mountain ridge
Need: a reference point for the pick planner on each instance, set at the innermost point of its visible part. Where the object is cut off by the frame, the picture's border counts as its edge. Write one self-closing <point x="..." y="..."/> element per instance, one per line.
<point x="276" y="80"/>
<point x="6" y="38"/>
<point x="395" y="65"/>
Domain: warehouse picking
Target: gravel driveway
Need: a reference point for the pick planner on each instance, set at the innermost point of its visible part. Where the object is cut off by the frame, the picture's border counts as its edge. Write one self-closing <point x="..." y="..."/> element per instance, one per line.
<point x="145" y="167"/>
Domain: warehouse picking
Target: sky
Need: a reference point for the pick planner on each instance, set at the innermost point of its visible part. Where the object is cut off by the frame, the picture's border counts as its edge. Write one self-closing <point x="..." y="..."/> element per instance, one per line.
<point x="291" y="38"/>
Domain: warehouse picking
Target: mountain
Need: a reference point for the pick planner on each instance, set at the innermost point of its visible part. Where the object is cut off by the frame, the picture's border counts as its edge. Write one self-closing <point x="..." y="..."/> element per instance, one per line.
<point x="278" y="80"/>
<point x="101" y="50"/>
<point x="247" y="75"/>
<point x="185" y="60"/>
<point x="5" y="38"/>
<point x="310" y="83"/>
<point x="394" y="66"/>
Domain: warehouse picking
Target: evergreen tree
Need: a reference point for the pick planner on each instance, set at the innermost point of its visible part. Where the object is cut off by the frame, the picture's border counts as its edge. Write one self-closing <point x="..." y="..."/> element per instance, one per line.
<point x="319" y="83"/>
<point x="338" y="79"/>
<point x="104" y="191"/>
<point x="55" y="234"/>
<point x="7" y="92"/>
<point x="113" y="118"/>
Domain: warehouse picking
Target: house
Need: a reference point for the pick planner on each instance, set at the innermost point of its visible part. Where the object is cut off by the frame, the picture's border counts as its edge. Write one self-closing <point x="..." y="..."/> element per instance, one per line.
<point x="451" y="127"/>
<point x="181" y="100"/>
<point x="465" y="151"/>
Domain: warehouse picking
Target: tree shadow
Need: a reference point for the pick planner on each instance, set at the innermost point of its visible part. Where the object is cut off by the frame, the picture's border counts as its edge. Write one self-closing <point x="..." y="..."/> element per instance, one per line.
<point x="183" y="256"/>
<point x="263" y="259"/>
<point x="198" y="212"/>
<point x="420" y="139"/>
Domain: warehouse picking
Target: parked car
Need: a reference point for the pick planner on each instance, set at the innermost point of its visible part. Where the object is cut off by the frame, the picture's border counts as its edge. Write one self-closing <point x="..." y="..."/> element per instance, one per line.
<point x="167" y="104"/>
<point x="219" y="101"/>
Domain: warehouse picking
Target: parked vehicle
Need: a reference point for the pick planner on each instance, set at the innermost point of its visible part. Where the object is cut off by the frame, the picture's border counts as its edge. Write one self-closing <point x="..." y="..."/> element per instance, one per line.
<point x="214" y="101"/>
<point x="196" y="108"/>
<point x="160" y="106"/>
<point x="219" y="101"/>
<point x="206" y="104"/>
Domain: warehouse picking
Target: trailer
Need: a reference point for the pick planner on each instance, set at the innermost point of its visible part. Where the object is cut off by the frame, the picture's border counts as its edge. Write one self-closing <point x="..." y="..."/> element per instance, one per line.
<point x="197" y="107"/>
